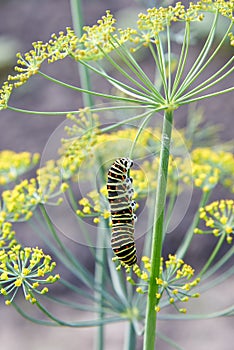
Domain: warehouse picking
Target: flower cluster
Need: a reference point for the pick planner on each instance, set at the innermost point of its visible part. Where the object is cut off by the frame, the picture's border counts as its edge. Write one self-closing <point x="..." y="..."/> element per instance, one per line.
<point x="97" y="39"/>
<point x="29" y="64"/>
<point x="113" y="143"/>
<point x="219" y="218"/>
<point x="62" y="45"/>
<point x="174" y="281"/>
<point x="50" y="185"/>
<point x="5" y="93"/>
<point x="13" y="164"/>
<point x="7" y="240"/>
<point x="221" y="163"/>
<point x="25" y="268"/>
<point x="102" y="38"/>
<point x="156" y="19"/>
<point x="80" y="144"/>
<point x="19" y="203"/>
<point x="95" y="205"/>
<point x="208" y="167"/>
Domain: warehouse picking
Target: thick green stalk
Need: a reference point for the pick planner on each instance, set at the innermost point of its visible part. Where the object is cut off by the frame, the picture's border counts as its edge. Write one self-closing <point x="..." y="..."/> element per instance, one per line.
<point x="151" y="315"/>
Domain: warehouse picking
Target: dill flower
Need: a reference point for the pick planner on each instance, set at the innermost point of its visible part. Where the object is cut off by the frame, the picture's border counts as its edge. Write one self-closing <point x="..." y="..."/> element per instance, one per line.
<point x="219" y="219"/>
<point x="174" y="281"/>
<point x="156" y="19"/>
<point x="50" y="183"/>
<point x="80" y="144"/>
<point x="19" y="203"/>
<point x="28" y="269"/>
<point x="7" y="235"/>
<point x="205" y="176"/>
<point x="29" y="63"/>
<point x="115" y="142"/>
<point x="218" y="159"/>
<point x="101" y="39"/>
<point x="208" y="167"/>
<point x="13" y="164"/>
<point x="62" y="45"/>
<point x="96" y="40"/>
<point x="95" y="205"/>
<point x="5" y="93"/>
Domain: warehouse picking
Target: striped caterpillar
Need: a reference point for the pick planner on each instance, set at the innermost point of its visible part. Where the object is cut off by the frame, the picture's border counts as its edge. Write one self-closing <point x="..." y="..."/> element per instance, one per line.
<point x="120" y="192"/>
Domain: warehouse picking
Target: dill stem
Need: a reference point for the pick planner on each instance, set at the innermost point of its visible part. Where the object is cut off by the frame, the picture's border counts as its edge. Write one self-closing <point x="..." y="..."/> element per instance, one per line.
<point x="151" y="315"/>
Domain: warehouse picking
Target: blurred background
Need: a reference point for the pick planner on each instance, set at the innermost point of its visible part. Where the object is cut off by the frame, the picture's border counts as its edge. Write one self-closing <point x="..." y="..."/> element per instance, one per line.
<point x="21" y="23"/>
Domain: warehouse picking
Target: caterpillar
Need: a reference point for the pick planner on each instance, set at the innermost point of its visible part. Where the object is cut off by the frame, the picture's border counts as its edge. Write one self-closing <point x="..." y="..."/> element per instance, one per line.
<point x="120" y="192"/>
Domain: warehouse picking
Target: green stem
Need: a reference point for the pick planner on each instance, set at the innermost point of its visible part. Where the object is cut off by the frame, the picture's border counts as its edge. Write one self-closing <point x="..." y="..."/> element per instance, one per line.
<point x="213" y="255"/>
<point x="204" y="97"/>
<point x="129" y="120"/>
<point x="169" y="61"/>
<point x="169" y="341"/>
<point x="151" y="315"/>
<point x="84" y="274"/>
<point x="100" y="280"/>
<point x="83" y="230"/>
<point x="182" y="59"/>
<point x="130" y="339"/>
<point x="225" y="312"/>
<point x="93" y="93"/>
<point x="189" y="235"/>
<point x="129" y="60"/>
<point x="204" y="85"/>
<point x="41" y="113"/>
<point x="58" y="322"/>
<point x="220" y="263"/>
<point x="100" y="265"/>
<point x="140" y="129"/>
<point x="199" y="62"/>
<point x="194" y="74"/>
<point x="77" y="19"/>
<point x="170" y="206"/>
<point x="217" y="280"/>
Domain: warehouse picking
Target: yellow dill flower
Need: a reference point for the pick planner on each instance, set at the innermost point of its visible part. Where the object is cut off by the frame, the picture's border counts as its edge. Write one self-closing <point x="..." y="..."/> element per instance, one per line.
<point x="5" y="93"/>
<point x="19" y="202"/>
<point x="7" y="240"/>
<point x="101" y="39"/>
<point x="80" y="143"/>
<point x="62" y="45"/>
<point x="13" y="164"/>
<point x="219" y="216"/>
<point x="139" y="290"/>
<point x="50" y="182"/>
<point x="95" y="205"/>
<point x="174" y="279"/>
<point x="29" y="63"/>
<point x="34" y="264"/>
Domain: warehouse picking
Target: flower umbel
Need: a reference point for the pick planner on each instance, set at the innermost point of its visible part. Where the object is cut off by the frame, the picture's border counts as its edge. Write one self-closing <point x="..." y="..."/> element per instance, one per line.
<point x="219" y="217"/>
<point x="7" y="240"/>
<point x="173" y="282"/>
<point x="25" y="268"/>
<point x="5" y="93"/>
<point x="13" y="164"/>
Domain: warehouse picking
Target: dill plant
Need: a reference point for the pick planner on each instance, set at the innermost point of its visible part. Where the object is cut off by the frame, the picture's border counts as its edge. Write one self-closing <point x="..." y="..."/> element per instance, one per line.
<point x="156" y="282"/>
